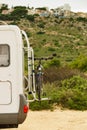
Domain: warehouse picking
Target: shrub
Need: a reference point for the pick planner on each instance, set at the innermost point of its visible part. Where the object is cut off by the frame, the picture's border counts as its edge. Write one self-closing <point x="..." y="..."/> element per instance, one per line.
<point x="69" y="93"/>
<point x="9" y="17"/>
<point x="40" y="105"/>
<point x="51" y="49"/>
<point x="80" y="63"/>
<point x="55" y="62"/>
<point x="51" y="64"/>
<point x="81" y="19"/>
<point x="41" y="25"/>
<point x="42" y="8"/>
<point x="19" y="12"/>
<point x="77" y="99"/>
<point x="36" y="15"/>
<point x="71" y="19"/>
<point x="53" y="73"/>
<point x="40" y="32"/>
<point x="30" y="18"/>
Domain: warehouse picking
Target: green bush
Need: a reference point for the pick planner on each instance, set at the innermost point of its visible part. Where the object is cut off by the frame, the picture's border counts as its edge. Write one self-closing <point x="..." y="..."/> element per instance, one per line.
<point x="51" y="49"/>
<point x="75" y="96"/>
<point x="42" y="8"/>
<point x="41" y="25"/>
<point x="5" y="17"/>
<point x="70" y="93"/>
<point x="80" y="63"/>
<point x="81" y="19"/>
<point x="40" y="105"/>
<point x="19" y="12"/>
<point x="52" y="63"/>
<point x="30" y="18"/>
<point x="41" y="32"/>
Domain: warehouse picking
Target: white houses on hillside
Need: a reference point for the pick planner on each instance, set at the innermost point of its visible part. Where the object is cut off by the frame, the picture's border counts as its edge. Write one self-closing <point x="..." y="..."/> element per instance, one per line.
<point x="62" y="11"/>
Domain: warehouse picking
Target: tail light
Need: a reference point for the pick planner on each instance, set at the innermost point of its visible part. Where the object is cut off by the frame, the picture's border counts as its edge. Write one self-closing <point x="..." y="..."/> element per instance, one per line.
<point x="25" y="109"/>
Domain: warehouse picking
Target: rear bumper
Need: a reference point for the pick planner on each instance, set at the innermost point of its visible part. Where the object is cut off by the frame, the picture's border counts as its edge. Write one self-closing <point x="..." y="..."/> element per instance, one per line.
<point x="14" y="118"/>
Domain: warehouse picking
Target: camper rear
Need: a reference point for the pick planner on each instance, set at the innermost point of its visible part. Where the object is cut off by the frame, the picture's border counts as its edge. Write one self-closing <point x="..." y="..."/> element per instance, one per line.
<point x="13" y="105"/>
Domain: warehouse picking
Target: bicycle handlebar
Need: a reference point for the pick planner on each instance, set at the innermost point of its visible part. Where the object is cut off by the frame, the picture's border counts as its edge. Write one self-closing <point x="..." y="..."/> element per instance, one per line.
<point x="46" y="58"/>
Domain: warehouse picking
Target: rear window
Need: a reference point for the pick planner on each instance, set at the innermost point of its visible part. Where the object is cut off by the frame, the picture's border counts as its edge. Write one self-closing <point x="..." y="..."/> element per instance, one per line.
<point x="4" y="55"/>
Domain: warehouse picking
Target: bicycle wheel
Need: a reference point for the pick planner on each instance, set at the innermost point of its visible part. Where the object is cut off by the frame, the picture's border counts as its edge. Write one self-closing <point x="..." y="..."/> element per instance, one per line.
<point x="39" y="86"/>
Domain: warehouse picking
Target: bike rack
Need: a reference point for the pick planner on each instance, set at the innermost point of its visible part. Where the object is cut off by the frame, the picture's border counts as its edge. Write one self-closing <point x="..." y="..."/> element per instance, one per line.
<point x="31" y="76"/>
<point x="30" y="88"/>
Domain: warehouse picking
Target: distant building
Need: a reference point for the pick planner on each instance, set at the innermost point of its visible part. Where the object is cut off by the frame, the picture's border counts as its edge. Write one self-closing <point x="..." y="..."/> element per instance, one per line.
<point x="63" y="11"/>
<point x="45" y="14"/>
<point x="31" y="11"/>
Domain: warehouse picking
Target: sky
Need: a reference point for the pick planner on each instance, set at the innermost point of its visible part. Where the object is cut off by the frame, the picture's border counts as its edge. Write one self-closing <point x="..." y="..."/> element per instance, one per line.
<point x="76" y="5"/>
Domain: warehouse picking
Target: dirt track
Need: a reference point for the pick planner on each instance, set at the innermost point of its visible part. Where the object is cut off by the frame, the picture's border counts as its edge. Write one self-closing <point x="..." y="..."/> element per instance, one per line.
<point x="56" y="120"/>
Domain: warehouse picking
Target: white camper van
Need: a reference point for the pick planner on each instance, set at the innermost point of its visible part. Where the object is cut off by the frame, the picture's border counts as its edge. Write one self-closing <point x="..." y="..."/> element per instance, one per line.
<point x="13" y="104"/>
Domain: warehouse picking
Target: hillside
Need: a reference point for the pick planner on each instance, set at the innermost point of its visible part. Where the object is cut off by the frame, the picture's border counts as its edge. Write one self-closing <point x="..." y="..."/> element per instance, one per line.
<point x="65" y="36"/>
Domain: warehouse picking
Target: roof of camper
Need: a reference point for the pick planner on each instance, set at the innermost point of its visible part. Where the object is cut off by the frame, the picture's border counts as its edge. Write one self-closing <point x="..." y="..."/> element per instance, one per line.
<point x="10" y="27"/>
<point x="13" y="28"/>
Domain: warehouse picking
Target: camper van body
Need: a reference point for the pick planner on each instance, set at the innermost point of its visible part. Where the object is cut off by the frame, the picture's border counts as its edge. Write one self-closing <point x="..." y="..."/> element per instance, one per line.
<point x="13" y="104"/>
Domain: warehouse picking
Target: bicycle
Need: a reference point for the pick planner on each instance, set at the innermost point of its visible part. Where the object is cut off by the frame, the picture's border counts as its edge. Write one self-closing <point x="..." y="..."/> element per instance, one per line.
<point x="39" y="80"/>
<point x="39" y="77"/>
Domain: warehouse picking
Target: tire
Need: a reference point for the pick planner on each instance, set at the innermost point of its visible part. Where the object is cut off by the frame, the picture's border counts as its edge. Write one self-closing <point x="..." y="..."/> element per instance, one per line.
<point x="3" y="126"/>
<point x="39" y="86"/>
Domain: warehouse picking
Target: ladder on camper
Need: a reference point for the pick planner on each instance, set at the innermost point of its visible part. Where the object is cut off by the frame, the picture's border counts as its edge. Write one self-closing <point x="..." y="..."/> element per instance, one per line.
<point x="31" y="86"/>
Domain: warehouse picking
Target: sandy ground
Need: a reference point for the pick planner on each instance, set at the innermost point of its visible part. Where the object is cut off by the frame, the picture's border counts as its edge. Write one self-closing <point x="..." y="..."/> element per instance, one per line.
<point x="56" y="120"/>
